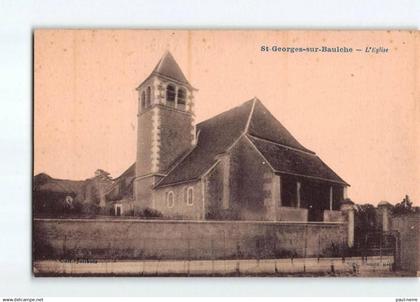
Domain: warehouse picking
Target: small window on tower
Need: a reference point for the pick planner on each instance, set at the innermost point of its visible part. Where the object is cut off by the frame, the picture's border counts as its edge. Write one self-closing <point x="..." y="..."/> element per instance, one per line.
<point x="181" y="98"/>
<point x="143" y="100"/>
<point x="148" y="96"/>
<point x="170" y="95"/>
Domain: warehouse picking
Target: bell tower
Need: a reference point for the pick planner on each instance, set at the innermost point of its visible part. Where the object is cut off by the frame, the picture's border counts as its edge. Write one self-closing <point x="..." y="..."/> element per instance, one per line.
<point x="166" y="129"/>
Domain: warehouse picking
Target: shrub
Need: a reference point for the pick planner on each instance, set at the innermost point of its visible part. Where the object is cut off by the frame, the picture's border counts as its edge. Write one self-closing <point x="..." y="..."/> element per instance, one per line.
<point x="151" y="213"/>
<point x="284" y="254"/>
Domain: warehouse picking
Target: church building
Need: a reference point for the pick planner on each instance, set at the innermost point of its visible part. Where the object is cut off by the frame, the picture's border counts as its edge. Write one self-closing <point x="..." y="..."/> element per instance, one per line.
<point x="242" y="164"/>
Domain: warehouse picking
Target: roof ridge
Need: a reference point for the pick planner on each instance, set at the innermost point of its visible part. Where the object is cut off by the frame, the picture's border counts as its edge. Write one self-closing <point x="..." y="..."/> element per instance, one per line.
<point x="264" y="124"/>
<point x="167" y="52"/>
<point x="223" y="112"/>
<point x="254" y="100"/>
<point x="310" y="152"/>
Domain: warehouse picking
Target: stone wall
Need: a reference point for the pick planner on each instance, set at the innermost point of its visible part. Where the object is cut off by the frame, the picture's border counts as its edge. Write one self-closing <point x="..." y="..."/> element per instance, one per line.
<point x="213" y="190"/>
<point x="152" y="239"/>
<point x="144" y="143"/>
<point x="143" y="192"/>
<point x="251" y="183"/>
<point x="292" y="214"/>
<point x="175" y="136"/>
<point x="239" y="186"/>
<point x="333" y="216"/>
<point x="408" y="228"/>
<point x="180" y="208"/>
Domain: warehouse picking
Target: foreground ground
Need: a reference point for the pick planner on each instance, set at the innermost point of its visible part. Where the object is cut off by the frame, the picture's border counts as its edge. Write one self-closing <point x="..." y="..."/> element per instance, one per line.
<point x="374" y="266"/>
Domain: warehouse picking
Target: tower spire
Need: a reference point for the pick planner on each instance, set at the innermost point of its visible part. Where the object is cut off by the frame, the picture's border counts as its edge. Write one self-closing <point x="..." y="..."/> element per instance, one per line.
<point x="168" y="67"/>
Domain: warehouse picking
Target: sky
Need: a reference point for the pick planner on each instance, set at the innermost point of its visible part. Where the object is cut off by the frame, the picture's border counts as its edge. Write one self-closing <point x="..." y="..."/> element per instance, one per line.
<point x="358" y="111"/>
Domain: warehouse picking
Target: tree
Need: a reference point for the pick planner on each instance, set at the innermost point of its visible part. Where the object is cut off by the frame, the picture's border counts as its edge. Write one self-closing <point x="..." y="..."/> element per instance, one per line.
<point x="96" y="187"/>
<point x="404" y="207"/>
<point x="103" y="182"/>
<point x="365" y="222"/>
<point x="103" y="175"/>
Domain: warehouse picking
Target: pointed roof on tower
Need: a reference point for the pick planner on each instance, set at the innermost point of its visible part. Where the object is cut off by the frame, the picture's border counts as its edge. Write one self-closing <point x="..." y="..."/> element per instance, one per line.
<point x="168" y="68"/>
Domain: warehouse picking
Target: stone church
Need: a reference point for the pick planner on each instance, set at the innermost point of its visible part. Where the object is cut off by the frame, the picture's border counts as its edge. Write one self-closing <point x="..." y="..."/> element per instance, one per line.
<point x="241" y="164"/>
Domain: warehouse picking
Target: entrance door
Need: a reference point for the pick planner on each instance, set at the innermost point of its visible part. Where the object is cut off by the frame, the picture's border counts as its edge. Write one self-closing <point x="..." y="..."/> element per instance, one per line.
<point x="118" y="210"/>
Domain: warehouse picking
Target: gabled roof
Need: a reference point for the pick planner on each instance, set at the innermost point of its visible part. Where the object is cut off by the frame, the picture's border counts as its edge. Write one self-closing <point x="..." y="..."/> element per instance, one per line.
<point x="167" y="67"/>
<point x="215" y="135"/>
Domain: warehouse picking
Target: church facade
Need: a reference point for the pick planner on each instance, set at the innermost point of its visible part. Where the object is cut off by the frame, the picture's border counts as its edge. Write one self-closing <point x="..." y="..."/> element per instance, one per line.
<point x="242" y="164"/>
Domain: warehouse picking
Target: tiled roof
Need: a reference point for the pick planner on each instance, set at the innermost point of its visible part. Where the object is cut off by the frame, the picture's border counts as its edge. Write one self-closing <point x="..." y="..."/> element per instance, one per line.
<point x="272" y="139"/>
<point x="263" y="124"/>
<point x="292" y="161"/>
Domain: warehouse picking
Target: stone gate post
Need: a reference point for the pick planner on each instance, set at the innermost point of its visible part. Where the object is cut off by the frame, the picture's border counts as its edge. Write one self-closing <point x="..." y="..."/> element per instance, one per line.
<point x="385" y="210"/>
<point x="347" y="208"/>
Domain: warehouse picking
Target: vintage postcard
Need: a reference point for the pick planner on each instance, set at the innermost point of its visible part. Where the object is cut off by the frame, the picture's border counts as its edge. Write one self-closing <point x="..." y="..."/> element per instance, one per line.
<point x="226" y="153"/>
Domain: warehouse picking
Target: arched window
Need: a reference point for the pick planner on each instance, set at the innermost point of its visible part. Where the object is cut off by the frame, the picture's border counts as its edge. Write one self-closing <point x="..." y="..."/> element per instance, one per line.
<point x="190" y="196"/>
<point x="170" y="199"/>
<point x="148" y="96"/>
<point x="170" y="95"/>
<point x="184" y="194"/>
<point x="181" y="98"/>
<point x="143" y="100"/>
